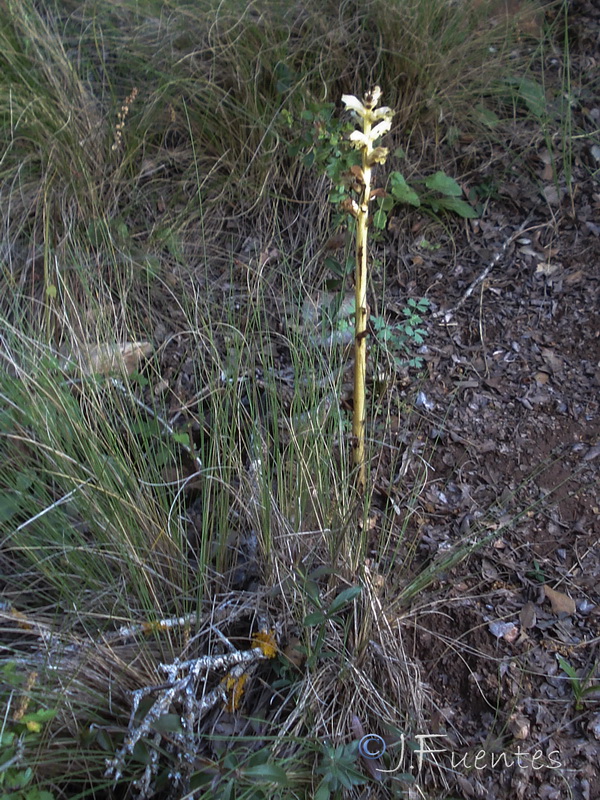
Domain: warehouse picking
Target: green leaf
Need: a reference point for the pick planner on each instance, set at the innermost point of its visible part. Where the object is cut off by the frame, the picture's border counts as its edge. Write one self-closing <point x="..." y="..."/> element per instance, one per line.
<point x="568" y="669"/>
<point x="120" y="226"/>
<point x="444" y="184"/>
<point x="380" y="219"/>
<point x="38" y="794"/>
<point x="230" y="761"/>
<point x="285" y="78"/>
<point x="226" y="790"/>
<point x="315" y="618"/>
<point x="19" y="780"/>
<point x="42" y="715"/>
<point x="9" y="507"/>
<point x="595" y="689"/>
<point x="142" y="752"/>
<point x="181" y="438"/>
<point x="319" y="572"/>
<point x="533" y="95"/>
<point x="139" y="379"/>
<point x="460" y="207"/>
<point x="104" y="741"/>
<point x="268" y="772"/>
<point x="7" y="739"/>
<point x="333" y="265"/>
<point x="168" y="723"/>
<point x="287" y="117"/>
<point x="323" y="792"/>
<point x="344" y="597"/>
<point x="486" y="116"/>
<point x="351" y="777"/>
<point x="312" y="591"/>
<point x="200" y="779"/>
<point x="402" y="192"/>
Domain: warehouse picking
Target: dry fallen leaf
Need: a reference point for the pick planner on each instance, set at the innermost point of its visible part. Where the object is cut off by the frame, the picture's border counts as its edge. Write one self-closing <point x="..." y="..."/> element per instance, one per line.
<point x="553" y="361"/>
<point x="527" y="616"/>
<point x="592" y="453"/>
<point x="561" y="603"/>
<point x="519" y="726"/>
<point x="103" y="359"/>
<point x="294" y="652"/>
<point x="545" y="268"/>
<point x="575" y="277"/>
<point x="551" y="195"/>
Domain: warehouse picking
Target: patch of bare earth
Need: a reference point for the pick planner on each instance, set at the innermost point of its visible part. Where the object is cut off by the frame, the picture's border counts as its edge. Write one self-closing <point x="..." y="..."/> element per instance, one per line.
<point x="508" y="422"/>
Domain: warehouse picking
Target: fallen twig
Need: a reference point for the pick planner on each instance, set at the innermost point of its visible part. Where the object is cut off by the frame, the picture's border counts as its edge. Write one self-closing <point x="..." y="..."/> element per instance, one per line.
<point x="448" y="312"/>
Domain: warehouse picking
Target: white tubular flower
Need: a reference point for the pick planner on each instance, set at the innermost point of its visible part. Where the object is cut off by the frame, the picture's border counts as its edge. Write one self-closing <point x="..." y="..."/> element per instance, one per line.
<point x="359" y="139"/>
<point x="381" y="113"/>
<point x="377" y="156"/>
<point x="381" y="128"/>
<point x="352" y="103"/>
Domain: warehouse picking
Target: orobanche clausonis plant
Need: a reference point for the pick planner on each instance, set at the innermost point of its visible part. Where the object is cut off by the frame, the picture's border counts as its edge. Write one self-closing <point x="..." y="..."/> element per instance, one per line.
<point x="375" y="122"/>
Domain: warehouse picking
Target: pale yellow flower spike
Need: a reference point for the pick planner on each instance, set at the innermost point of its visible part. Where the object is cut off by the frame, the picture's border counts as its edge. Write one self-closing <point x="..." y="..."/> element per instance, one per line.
<point x="374" y="124"/>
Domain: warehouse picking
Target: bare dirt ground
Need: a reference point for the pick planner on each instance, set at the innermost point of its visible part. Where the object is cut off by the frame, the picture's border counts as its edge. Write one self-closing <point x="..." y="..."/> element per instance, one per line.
<point x="512" y="403"/>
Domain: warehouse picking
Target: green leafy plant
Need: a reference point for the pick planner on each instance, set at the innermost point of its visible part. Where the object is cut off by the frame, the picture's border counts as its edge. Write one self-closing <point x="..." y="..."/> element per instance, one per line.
<point x="400" y="337"/>
<point x="536" y="572"/>
<point x="18" y="734"/>
<point x="436" y="193"/>
<point x="324" y="615"/>
<point x="254" y="777"/>
<point x="322" y="143"/>
<point x="482" y="193"/>
<point x="396" y="339"/>
<point x="582" y="685"/>
<point x="338" y="768"/>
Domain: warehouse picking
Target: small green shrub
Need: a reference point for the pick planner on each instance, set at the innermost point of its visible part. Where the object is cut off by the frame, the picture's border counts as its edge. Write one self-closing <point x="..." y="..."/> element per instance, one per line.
<point x="399" y="338"/>
<point x="434" y="194"/>
<point x="19" y="735"/>
<point x="583" y="686"/>
<point x="321" y="141"/>
<point x="396" y="339"/>
<point x="338" y="768"/>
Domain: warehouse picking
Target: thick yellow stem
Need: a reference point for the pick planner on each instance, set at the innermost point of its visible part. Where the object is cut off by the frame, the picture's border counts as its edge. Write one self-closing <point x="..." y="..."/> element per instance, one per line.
<point x="362" y="316"/>
<point x="364" y="140"/>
